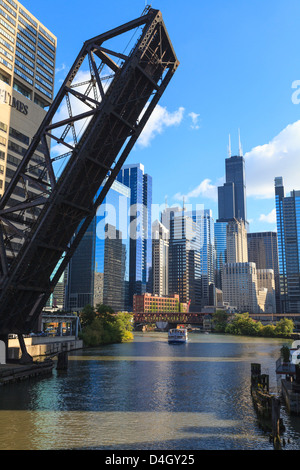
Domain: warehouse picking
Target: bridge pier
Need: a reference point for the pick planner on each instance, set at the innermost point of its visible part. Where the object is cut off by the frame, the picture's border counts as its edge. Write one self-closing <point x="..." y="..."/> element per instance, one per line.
<point x="25" y="358"/>
<point x="62" y="360"/>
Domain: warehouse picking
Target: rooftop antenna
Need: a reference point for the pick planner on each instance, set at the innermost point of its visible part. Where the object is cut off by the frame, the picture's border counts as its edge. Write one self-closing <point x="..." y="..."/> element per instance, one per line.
<point x="183" y="200"/>
<point x="229" y="147"/>
<point x="240" y="146"/>
<point x="166" y="202"/>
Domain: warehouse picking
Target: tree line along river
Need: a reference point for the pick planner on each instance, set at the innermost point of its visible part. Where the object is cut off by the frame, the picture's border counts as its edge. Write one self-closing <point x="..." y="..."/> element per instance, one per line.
<point x="146" y="395"/>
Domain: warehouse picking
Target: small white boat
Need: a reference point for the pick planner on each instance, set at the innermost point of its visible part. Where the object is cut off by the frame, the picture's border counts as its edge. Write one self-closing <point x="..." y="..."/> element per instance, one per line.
<point x="177" y="335"/>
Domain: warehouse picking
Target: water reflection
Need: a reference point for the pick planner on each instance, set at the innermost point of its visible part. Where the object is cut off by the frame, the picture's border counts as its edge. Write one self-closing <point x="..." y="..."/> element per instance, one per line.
<point x="145" y="395"/>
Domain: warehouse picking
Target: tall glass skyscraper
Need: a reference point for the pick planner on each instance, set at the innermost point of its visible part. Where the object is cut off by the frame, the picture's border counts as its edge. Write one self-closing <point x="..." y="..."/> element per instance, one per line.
<point x="205" y="221"/>
<point x="288" y="230"/>
<point x="184" y="260"/>
<point x="99" y="269"/>
<point x="220" y="242"/>
<point x="232" y="195"/>
<point x="140" y="184"/>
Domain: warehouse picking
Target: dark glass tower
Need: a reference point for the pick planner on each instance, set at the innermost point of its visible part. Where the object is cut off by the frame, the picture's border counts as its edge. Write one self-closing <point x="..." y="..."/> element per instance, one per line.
<point x="140" y="264"/>
<point x="288" y="230"/>
<point x="232" y="195"/>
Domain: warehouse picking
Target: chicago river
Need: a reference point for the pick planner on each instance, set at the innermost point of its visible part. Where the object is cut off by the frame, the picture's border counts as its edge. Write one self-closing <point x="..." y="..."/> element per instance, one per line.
<point x="147" y="395"/>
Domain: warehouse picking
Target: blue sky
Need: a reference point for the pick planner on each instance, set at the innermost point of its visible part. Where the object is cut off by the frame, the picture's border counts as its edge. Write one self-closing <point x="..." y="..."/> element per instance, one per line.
<point x="239" y="69"/>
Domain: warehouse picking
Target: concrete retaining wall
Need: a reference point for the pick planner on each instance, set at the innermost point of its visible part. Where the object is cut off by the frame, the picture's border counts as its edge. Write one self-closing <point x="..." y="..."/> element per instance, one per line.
<point x="41" y="346"/>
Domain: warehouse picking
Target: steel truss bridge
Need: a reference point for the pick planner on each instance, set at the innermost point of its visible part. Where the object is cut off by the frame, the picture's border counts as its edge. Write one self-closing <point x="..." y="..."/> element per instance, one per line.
<point x="174" y="317"/>
<point x="104" y="115"/>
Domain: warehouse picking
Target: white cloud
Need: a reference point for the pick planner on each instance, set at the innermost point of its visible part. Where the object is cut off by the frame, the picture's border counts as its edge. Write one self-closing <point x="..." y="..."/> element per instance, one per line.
<point x="59" y="69"/>
<point x="269" y="218"/>
<point x="279" y="157"/>
<point x="204" y="189"/>
<point x="195" y="118"/>
<point x="159" y="120"/>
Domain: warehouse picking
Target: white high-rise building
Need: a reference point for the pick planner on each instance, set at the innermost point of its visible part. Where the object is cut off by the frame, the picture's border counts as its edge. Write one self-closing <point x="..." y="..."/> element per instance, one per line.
<point x="244" y="286"/>
<point x="160" y="259"/>
<point x="237" y="248"/>
<point x="240" y="286"/>
<point x="266" y="281"/>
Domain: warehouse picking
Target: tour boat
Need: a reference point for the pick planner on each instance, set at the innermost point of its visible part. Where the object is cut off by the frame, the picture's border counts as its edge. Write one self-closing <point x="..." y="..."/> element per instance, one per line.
<point x="177" y="335"/>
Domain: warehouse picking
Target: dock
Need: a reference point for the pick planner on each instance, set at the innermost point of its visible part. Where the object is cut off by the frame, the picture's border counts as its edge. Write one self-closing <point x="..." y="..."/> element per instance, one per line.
<point x="42" y="350"/>
<point x="11" y="373"/>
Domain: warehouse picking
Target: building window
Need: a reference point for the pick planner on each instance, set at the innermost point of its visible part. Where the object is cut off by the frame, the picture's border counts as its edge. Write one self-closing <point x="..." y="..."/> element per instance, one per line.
<point x="3" y="127"/>
<point x="4" y="78"/>
<point x="19" y="136"/>
<point x="21" y="89"/>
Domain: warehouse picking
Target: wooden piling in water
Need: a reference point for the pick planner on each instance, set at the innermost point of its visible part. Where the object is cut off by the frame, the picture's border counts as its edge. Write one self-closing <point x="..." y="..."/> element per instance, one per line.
<point x="267" y="405"/>
<point x="62" y="361"/>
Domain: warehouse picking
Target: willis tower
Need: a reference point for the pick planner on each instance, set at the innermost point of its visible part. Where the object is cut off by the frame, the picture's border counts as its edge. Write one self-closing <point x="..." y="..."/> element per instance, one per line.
<point x="232" y="195"/>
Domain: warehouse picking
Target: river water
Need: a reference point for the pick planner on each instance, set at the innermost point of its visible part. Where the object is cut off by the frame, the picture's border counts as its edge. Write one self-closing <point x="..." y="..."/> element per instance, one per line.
<point x="147" y="395"/>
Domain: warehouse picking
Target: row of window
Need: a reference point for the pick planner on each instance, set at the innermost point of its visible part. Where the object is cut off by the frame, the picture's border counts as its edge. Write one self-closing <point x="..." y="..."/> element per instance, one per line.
<point x="27" y="69"/>
<point x="26" y="42"/>
<point x="32" y="26"/>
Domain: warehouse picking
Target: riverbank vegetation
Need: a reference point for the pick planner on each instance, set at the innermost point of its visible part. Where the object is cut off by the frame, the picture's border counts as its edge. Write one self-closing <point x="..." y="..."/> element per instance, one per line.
<point x="101" y="325"/>
<point x="243" y="324"/>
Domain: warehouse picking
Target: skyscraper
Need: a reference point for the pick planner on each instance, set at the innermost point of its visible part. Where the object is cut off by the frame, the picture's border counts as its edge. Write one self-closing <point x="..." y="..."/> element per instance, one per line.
<point x="244" y="285"/>
<point x="140" y="184"/>
<point x="288" y="230"/>
<point x="232" y="195"/>
<point x="99" y="268"/>
<point x="236" y="236"/>
<point x="27" y="67"/>
<point x="160" y="259"/>
<point x="204" y="219"/>
<point x="184" y="260"/>
<point x="220" y="245"/>
<point x="262" y="250"/>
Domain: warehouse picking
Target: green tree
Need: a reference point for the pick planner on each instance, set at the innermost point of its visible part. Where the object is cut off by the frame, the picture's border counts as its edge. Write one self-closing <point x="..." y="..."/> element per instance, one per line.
<point x="87" y="316"/>
<point x="102" y="308"/>
<point x="108" y="328"/>
<point x="220" y="321"/>
<point x="285" y="353"/>
<point x="242" y="324"/>
<point x="284" y="327"/>
<point x="268" y="331"/>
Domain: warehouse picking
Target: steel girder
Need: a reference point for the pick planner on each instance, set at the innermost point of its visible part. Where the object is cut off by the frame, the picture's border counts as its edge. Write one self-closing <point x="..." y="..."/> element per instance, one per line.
<point x="112" y="117"/>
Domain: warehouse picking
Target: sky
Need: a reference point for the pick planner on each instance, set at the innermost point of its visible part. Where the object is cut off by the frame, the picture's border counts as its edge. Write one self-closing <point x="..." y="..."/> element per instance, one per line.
<point x="239" y="72"/>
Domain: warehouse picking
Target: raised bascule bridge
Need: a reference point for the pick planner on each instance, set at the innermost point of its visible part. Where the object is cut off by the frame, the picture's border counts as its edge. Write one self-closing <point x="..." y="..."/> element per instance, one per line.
<point x="105" y="100"/>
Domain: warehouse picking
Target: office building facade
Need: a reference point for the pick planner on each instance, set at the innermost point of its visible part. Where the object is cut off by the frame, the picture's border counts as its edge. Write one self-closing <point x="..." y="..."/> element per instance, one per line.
<point x="288" y="232"/>
<point x="220" y="247"/>
<point x="160" y="259"/>
<point x="184" y="260"/>
<point x="99" y="269"/>
<point x="203" y="218"/>
<point x="27" y="67"/>
<point x="140" y="264"/>
<point x="240" y="286"/>
<point x="263" y="251"/>
<point x="149" y="303"/>
<point x="236" y="242"/>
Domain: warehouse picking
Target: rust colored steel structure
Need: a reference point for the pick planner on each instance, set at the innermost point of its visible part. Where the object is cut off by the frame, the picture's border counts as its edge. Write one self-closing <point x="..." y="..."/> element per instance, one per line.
<point x="172" y="317"/>
<point x="115" y="113"/>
